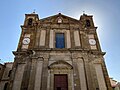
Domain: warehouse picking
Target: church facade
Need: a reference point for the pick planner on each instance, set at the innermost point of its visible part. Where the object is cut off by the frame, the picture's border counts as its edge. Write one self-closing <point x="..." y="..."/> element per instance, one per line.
<point x="58" y="53"/>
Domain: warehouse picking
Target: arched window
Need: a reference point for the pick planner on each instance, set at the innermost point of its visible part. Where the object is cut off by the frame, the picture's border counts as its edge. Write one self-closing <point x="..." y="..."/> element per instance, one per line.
<point x="9" y="73"/>
<point x="6" y="86"/>
<point x="88" y="23"/>
<point x="30" y="20"/>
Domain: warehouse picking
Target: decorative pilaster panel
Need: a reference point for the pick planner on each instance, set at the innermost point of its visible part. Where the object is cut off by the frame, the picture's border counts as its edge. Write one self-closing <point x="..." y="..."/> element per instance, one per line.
<point x="18" y="77"/>
<point x="76" y="38"/>
<point x="100" y="77"/>
<point x="68" y="39"/>
<point x="38" y="74"/>
<point x="37" y="38"/>
<point x="72" y="38"/>
<point x="80" y="65"/>
<point x="42" y="37"/>
<point x="47" y="38"/>
<point x="51" y="43"/>
<point x="84" y="40"/>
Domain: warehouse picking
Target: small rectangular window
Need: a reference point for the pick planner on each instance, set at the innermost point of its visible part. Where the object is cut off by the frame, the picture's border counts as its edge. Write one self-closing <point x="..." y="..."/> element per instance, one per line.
<point x="60" y="40"/>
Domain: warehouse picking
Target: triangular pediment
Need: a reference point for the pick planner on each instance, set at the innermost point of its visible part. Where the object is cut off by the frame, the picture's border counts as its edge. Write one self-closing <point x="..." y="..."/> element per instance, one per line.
<point x="54" y="19"/>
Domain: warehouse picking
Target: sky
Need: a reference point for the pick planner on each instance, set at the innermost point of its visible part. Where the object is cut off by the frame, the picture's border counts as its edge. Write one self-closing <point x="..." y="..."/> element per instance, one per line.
<point x="106" y="15"/>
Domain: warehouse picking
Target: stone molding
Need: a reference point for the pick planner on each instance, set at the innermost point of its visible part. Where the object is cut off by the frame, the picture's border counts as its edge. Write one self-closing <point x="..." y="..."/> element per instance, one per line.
<point x="60" y="65"/>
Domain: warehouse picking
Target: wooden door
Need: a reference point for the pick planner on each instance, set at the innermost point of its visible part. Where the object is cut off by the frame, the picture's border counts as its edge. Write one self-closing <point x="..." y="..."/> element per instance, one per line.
<point x="60" y="82"/>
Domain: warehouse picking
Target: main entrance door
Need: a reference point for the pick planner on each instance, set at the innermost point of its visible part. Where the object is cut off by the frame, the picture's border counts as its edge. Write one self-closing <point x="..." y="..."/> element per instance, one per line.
<point x="60" y="82"/>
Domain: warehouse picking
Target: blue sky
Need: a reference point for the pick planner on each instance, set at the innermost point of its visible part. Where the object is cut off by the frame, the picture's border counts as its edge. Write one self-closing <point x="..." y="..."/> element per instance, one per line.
<point x="106" y="15"/>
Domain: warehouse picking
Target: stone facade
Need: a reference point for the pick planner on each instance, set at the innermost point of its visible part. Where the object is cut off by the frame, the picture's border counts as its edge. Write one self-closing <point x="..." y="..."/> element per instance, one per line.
<point x="5" y="72"/>
<point x="59" y="53"/>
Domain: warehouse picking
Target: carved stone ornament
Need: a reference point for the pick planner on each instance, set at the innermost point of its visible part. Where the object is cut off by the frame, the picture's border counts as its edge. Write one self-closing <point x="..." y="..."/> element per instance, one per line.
<point x="60" y="65"/>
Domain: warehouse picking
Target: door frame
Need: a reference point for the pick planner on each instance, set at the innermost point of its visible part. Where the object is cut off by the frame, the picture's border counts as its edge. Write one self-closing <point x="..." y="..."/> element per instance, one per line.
<point x="66" y="76"/>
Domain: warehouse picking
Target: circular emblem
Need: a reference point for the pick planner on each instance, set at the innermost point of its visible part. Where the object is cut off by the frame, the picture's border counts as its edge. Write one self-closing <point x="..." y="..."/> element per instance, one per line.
<point x="92" y="41"/>
<point x="26" y="40"/>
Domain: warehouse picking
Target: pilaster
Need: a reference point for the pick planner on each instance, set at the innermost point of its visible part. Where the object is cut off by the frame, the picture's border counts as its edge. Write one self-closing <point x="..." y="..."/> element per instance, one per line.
<point x="76" y="77"/>
<point x="44" y="73"/>
<point x="88" y="73"/>
<point x="32" y="74"/>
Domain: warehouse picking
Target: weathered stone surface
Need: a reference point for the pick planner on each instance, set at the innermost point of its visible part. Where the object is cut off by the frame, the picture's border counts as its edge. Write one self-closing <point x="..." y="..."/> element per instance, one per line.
<point x="37" y="64"/>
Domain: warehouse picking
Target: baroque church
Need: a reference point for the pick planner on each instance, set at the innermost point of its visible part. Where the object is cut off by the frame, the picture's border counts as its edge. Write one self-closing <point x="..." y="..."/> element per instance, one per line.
<point x="56" y="53"/>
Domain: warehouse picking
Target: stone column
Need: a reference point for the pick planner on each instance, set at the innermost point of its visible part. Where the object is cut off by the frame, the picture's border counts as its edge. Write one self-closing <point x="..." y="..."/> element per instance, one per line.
<point x="18" y="77"/>
<point x="51" y="80"/>
<point x="48" y="80"/>
<point x="70" y="80"/>
<point x="76" y="75"/>
<point x="94" y="76"/>
<point x="100" y="77"/>
<point x="80" y="65"/>
<point x="32" y="74"/>
<point x="14" y="69"/>
<point x="44" y="74"/>
<point x="38" y="75"/>
<point x="26" y="74"/>
<point x="88" y="76"/>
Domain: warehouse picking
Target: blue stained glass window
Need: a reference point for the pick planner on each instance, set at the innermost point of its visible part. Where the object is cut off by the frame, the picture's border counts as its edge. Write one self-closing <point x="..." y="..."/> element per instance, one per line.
<point x="60" y="40"/>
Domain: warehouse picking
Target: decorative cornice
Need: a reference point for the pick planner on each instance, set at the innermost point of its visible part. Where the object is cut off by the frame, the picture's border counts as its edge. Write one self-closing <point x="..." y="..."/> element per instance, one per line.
<point x="24" y="53"/>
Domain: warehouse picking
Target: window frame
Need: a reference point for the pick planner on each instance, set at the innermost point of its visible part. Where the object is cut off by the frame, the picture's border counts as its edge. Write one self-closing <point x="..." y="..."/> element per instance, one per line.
<point x="64" y="43"/>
